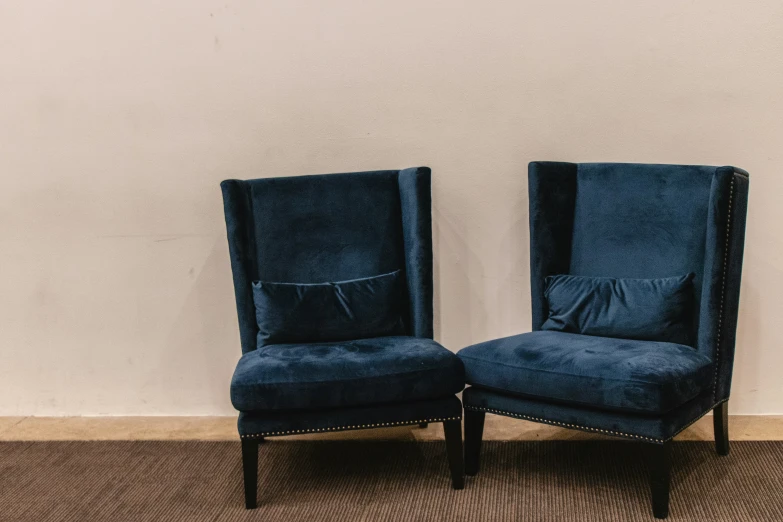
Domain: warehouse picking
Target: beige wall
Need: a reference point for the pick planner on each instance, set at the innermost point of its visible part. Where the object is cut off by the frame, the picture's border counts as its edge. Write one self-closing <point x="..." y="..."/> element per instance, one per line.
<point x="119" y="119"/>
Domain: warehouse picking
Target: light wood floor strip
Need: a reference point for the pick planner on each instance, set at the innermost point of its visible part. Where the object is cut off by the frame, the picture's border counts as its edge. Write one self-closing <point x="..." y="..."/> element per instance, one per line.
<point x="741" y="427"/>
<point x="6" y="423"/>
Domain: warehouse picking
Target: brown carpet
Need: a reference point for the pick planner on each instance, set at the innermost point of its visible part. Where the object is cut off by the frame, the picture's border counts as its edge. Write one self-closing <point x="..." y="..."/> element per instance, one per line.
<point x="370" y="481"/>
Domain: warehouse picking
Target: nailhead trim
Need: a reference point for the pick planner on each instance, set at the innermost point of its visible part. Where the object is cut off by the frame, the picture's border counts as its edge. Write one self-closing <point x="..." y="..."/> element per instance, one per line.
<point x="342" y="428"/>
<point x="722" y="293"/>
<point x="588" y="428"/>
<point x="697" y="418"/>
<point x="563" y="424"/>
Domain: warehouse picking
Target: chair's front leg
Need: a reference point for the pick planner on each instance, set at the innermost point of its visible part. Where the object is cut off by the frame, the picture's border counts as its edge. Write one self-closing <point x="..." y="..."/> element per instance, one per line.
<point x="250" y="471"/>
<point x="720" y="421"/>
<point x="660" y="471"/>
<point x="474" y="430"/>
<point x="452" y="429"/>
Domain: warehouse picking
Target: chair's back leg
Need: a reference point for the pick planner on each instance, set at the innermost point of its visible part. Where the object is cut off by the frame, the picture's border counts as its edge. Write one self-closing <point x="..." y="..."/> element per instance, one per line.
<point x="453" y="432"/>
<point x="660" y="471"/>
<point x="474" y="430"/>
<point x="250" y="471"/>
<point x="720" y="421"/>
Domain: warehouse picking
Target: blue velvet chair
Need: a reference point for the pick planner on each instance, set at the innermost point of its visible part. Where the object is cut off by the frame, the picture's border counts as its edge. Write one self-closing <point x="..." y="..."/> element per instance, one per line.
<point x="325" y="229"/>
<point x="621" y="221"/>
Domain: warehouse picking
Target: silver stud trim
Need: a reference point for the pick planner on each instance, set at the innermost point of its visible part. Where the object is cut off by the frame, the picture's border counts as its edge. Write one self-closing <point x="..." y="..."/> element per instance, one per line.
<point x="697" y="418"/>
<point x="722" y="292"/>
<point x="563" y="424"/>
<point x="344" y="428"/>
<point x="588" y="428"/>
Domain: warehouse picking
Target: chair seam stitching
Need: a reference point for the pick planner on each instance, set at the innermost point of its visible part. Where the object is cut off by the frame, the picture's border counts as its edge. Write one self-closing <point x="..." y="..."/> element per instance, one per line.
<point x="722" y="292"/>
<point x="347" y="427"/>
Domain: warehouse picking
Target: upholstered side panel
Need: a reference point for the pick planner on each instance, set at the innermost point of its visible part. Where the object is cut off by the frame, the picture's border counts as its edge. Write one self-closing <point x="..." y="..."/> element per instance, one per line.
<point x="723" y="272"/>
<point x="552" y="192"/>
<point x="241" y="245"/>
<point x="416" y="202"/>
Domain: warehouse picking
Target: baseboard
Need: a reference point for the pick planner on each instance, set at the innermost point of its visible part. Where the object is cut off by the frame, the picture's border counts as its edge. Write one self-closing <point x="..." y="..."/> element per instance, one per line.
<point x="741" y="427"/>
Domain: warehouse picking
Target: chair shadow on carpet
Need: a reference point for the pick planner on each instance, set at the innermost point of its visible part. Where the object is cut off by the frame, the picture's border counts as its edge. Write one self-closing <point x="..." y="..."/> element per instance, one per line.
<point x="518" y="479"/>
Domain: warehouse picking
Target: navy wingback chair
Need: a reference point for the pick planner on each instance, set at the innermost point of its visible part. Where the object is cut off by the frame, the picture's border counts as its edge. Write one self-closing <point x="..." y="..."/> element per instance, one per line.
<point x="308" y="230"/>
<point x="617" y="224"/>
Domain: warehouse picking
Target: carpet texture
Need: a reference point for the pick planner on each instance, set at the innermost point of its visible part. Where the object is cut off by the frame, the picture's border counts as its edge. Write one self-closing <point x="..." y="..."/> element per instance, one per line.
<point x="370" y="481"/>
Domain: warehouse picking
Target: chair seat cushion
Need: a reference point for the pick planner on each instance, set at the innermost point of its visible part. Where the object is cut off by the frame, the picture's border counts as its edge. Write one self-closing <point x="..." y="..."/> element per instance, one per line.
<point x="344" y="374"/>
<point x="598" y="372"/>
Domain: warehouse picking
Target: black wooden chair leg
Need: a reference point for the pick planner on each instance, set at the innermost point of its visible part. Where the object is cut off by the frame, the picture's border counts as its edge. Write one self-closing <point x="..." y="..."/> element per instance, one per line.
<point x="474" y="430"/>
<point x="423" y="425"/>
<point x="250" y="471"/>
<point x="720" y="421"/>
<point x="660" y="471"/>
<point x="453" y="431"/>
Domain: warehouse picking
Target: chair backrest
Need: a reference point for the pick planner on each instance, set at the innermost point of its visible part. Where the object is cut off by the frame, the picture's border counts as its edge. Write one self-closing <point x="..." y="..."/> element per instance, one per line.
<point x="331" y="227"/>
<point x="645" y="221"/>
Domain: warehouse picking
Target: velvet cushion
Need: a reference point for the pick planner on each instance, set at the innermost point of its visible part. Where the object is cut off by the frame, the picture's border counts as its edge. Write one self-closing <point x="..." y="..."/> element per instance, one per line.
<point x="355" y="309"/>
<point x="644" y="309"/>
<point x="345" y="374"/>
<point x="599" y="372"/>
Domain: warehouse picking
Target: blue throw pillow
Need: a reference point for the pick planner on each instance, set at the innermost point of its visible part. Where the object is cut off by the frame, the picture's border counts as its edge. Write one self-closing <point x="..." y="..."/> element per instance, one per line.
<point x="642" y="309"/>
<point x="322" y="312"/>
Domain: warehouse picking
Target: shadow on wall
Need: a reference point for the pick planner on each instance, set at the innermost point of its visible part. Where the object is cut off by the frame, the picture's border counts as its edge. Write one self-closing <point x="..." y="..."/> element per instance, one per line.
<point x="481" y="295"/>
<point x="203" y="341"/>
<point x="750" y="329"/>
<point x="459" y="294"/>
<point x="512" y="299"/>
